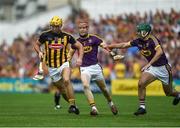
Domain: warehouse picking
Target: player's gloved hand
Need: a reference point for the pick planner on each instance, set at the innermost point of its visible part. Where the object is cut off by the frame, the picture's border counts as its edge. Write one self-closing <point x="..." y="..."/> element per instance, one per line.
<point x="115" y="56"/>
<point x="118" y="57"/>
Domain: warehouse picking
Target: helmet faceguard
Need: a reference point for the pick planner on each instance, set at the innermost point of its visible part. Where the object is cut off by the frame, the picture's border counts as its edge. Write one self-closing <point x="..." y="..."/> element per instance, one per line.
<point x="143" y="30"/>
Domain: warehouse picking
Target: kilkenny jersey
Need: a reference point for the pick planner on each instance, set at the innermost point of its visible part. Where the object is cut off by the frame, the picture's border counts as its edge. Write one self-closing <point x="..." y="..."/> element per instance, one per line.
<point x="90" y="45"/>
<point x="148" y="49"/>
<point x="56" y="47"/>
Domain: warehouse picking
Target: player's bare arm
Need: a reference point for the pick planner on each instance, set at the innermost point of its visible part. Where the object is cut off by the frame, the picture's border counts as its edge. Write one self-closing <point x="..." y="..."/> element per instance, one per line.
<point x="37" y="46"/>
<point x="158" y="54"/>
<point x="119" y="45"/>
<point x="70" y="54"/>
<point x="113" y="55"/>
<point x="79" y="46"/>
<point x="39" y="75"/>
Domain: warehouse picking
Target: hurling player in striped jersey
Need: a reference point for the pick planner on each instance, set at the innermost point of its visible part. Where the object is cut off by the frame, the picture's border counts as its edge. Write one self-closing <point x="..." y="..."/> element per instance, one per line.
<point x="57" y="44"/>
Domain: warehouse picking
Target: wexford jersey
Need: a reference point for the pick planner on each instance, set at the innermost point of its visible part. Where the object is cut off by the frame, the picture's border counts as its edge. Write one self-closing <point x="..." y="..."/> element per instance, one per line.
<point x="90" y="45"/>
<point x="56" y="47"/>
<point x="148" y="49"/>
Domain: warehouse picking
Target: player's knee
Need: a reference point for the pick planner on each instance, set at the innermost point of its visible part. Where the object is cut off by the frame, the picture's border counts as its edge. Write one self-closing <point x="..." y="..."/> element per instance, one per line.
<point x="103" y="89"/>
<point x="66" y="81"/>
<point x="141" y="85"/>
<point x="86" y="87"/>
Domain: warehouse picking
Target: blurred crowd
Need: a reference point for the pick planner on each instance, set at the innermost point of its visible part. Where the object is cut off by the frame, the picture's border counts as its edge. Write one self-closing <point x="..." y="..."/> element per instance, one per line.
<point x="20" y="59"/>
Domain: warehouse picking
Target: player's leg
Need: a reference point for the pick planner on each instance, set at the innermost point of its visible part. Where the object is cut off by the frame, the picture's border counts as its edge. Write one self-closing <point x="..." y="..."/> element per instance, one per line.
<point x="85" y="78"/>
<point x="167" y="85"/>
<point x="57" y="97"/>
<point x="67" y="84"/>
<point x="63" y="92"/>
<point x="145" y="79"/>
<point x="169" y="91"/>
<point x="59" y="90"/>
<point x="57" y="94"/>
<point x="102" y="85"/>
<point x="70" y="91"/>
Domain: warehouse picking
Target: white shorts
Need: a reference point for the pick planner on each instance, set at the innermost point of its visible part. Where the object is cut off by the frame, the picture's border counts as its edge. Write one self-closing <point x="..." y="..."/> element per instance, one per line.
<point x="56" y="73"/>
<point x="160" y="73"/>
<point x="94" y="72"/>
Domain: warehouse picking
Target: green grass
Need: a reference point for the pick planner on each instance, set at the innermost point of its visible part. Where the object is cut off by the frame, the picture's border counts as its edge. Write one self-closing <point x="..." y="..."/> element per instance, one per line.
<point x="38" y="110"/>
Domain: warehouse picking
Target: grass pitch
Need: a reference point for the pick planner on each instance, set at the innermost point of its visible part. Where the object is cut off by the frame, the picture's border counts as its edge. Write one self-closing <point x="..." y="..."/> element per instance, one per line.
<point x="26" y="110"/>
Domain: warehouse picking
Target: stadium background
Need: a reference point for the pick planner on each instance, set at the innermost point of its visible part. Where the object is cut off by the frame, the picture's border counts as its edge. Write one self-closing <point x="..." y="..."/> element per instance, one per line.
<point x="21" y="21"/>
<point x="26" y="103"/>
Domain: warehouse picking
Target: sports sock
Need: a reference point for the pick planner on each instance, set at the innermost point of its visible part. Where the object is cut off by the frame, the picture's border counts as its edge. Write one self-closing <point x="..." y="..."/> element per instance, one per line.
<point x="72" y="102"/>
<point x="178" y="95"/>
<point x="142" y="103"/>
<point x="92" y="104"/>
<point x="94" y="108"/>
<point x="57" y="98"/>
<point x="111" y="103"/>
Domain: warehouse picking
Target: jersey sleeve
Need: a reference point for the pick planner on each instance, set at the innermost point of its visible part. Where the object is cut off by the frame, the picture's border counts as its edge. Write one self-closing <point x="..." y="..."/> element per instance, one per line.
<point x="134" y="43"/>
<point x="156" y="42"/>
<point x="72" y="41"/>
<point x="42" y="38"/>
<point x="97" y="40"/>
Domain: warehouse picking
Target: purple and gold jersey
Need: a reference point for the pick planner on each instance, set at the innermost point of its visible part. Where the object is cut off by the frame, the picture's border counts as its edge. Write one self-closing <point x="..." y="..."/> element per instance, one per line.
<point x="148" y="49"/>
<point x="90" y="45"/>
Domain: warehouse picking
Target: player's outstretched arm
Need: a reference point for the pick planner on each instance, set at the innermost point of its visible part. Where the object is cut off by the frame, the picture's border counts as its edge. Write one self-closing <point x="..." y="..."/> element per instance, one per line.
<point x="119" y="45"/>
<point x="80" y="49"/>
<point x="113" y="55"/>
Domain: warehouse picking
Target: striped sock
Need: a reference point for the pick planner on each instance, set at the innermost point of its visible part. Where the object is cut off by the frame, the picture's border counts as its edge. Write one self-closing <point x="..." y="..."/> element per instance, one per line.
<point x="72" y="102"/>
<point x="92" y="104"/>
<point x="111" y="103"/>
<point x="142" y="103"/>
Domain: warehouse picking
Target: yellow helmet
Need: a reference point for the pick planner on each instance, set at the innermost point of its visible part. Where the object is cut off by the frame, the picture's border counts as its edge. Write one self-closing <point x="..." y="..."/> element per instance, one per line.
<point x="56" y="21"/>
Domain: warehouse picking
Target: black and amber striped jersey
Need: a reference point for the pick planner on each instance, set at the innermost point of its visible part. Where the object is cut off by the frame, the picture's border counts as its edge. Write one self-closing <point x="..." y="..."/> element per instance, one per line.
<point x="57" y="46"/>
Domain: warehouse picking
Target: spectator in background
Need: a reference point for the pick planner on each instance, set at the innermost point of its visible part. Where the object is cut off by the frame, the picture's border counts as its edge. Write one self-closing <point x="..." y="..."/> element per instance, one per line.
<point x="114" y="29"/>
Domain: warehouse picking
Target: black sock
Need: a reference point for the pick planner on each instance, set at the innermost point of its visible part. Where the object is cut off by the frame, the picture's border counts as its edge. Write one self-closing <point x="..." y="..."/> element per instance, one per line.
<point x="57" y="98"/>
